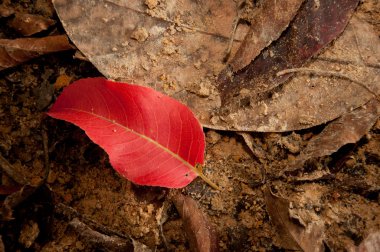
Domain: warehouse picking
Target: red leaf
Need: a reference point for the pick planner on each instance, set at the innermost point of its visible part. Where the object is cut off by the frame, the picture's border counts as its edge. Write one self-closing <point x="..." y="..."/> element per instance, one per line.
<point x="151" y="139"/>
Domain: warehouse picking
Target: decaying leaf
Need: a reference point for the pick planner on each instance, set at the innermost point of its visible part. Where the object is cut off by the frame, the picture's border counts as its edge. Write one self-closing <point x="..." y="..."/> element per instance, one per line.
<point x="201" y="234"/>
<point x="347" y="129"/>
<point x="14" y="52"/>
<point x="29" y="24"/>
<point x="271" y="19"/>
<point x="179" y="49"/>
<point x="292" y="236"/>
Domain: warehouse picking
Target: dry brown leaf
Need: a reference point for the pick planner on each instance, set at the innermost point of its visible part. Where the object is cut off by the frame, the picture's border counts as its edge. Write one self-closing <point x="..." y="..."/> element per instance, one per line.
<point x="29" y="24"/>
<point x="202" y="236"/>
<point x="271" y="19"/>
<point x="292" y="236"/>
<point x="347" y="129"/>
<point x="176" y="47"/>
<point x="17" y="51"/>
<point x="179" y="48"/>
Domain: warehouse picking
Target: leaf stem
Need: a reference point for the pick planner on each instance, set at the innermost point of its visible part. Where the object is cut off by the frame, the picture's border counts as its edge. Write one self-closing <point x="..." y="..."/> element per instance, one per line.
<point x="198" y="169"/>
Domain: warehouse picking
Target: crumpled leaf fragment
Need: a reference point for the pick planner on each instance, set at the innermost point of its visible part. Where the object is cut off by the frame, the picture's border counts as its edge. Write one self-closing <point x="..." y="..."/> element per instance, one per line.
<point x="349" y="128"/>
<point x="200" y="232"/>
<point x="292" y="236"/>
<point x="16" y="51"/>
<point x="29" y="24"/>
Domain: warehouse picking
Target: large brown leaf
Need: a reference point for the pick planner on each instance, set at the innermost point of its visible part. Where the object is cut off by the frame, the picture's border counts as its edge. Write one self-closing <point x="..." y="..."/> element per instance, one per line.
<point x="17" y="51"/>
<point x="178" y="47"/>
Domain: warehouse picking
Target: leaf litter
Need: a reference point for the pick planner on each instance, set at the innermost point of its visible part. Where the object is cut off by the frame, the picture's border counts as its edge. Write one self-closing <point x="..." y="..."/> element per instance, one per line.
<point x="190" y="49"/>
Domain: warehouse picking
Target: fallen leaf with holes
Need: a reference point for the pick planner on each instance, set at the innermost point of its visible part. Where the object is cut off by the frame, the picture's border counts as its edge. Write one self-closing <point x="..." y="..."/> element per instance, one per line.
<point x="292" y="236"/>
<point x="151" y="139"/>
<point x="347" y="129"/>
<point x="180" y="53"/>
<point x="29" y="24"/>
<point x="16" y="51"/>
<point x="201" y="234"/>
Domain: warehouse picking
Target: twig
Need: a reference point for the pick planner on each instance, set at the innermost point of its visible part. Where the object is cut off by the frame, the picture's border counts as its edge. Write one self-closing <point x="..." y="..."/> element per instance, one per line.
<point x="233" y="33"/>
<point x="328" y="73"/>
<point x="70" y="213"/>
<point x="99" y="240"/>
<point x="11" y="171"/>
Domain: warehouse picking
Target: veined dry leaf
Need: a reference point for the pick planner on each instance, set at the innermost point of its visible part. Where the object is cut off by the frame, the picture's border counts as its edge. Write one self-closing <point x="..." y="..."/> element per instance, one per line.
<point x="178" y="47"/>
<point x="271" y="19"/>
<point x="29" y="24"/>
<point x="347" y="129"/>
<point x="292" y="236"/>
<point x="17" y="51"/>
<point x="201" y="234"/>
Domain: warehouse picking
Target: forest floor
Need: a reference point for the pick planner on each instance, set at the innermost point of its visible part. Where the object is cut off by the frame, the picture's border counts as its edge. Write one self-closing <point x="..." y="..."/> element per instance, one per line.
<point x="340" y="192"/>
